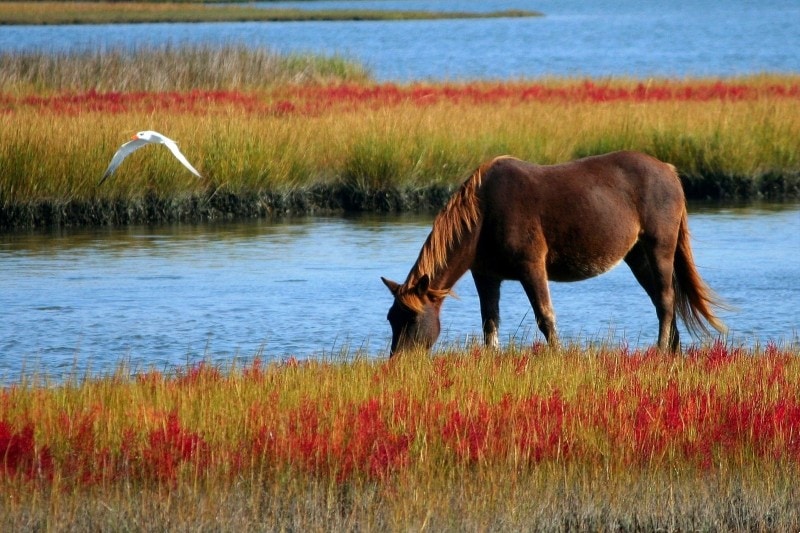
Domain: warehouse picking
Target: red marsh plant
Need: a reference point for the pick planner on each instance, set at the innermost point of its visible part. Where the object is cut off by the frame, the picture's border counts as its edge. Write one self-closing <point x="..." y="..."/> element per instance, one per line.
<point x="718" y="408"/>
<point x="583" y="437"/>
<point x="195" y="101"/>
<point x="483" y="93"/>
<point x="315" y="99"/>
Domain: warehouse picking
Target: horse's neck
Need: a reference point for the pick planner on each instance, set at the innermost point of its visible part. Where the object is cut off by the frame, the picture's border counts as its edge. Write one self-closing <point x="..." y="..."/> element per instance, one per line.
<point x="450" y="248"/>
<point x="445" y="269"/>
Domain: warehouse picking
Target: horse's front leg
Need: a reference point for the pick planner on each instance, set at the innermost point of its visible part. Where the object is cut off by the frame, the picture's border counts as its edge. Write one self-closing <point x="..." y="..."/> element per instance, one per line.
<point x="534" y="281"/>
<point x="489" y="294"/>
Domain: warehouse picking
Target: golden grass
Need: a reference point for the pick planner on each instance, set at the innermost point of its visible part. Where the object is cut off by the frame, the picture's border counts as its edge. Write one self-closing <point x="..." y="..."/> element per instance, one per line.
<point x="47" y="154"/>
<point x="258" y="124"/>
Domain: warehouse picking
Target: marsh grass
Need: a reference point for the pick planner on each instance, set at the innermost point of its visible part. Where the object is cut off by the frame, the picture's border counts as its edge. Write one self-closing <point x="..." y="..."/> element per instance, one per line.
<point x="53" y="155"/>
<point x="275" y="134"/>
<point x="526" y="438"/>
<point x="170" y="68"/>
<point x="546" y="501"/>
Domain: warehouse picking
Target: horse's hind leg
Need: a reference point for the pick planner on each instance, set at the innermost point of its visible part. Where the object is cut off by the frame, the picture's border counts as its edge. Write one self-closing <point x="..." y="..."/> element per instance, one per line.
<point x="649" y="278"/>
<point x="534" y="281"/>
<point x="489" y="294"/>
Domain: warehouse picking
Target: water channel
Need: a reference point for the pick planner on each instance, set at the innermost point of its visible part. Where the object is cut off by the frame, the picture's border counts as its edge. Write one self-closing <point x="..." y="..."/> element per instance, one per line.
<point x="78" y="300"/>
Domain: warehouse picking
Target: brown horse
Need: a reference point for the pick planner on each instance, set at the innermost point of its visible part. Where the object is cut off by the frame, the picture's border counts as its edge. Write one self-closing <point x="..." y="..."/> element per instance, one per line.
<point x="516" y="220"/>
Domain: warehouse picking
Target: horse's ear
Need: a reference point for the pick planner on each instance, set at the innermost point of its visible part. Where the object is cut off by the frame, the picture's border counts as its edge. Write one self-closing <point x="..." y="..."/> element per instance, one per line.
<point x="422" y="286"/>
<point x="392" y="285"/>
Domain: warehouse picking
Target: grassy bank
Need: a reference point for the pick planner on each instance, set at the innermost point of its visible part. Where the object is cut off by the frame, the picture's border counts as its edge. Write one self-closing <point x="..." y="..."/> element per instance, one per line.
<point x="324" y="138"/>
<point x="465" y="440"/>
<point x="37" y="13"/>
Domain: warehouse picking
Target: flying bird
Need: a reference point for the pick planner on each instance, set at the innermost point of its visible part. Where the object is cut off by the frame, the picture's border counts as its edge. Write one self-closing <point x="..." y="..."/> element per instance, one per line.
<point x="137" y="141"/>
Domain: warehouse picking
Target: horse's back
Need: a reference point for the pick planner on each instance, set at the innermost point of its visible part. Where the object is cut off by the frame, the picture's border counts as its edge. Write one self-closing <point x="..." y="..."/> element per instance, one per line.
<point x="586" y="214"/>
<point x="624" y="180"/>
<point x="625" y="171"/>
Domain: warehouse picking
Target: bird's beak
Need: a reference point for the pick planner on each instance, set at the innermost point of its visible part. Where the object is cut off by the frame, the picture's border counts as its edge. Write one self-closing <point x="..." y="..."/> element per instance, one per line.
<point x="133" y="137"/>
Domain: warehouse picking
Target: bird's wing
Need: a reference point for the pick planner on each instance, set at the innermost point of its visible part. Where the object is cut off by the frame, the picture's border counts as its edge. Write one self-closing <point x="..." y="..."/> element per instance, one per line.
<point x="173" y="147"/>
<point x="124" y="151"/>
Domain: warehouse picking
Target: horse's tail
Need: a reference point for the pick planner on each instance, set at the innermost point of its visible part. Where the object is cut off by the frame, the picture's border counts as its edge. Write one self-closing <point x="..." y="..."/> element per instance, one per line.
<point x="694" y="300"/>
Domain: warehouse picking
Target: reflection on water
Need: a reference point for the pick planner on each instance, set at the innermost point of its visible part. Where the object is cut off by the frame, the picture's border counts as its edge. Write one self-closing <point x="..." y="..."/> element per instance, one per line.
<point x="77" y="300"/>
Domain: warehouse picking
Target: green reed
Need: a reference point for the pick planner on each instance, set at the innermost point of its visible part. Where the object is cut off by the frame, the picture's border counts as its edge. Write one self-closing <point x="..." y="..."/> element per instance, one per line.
<point x="61" y="154"/>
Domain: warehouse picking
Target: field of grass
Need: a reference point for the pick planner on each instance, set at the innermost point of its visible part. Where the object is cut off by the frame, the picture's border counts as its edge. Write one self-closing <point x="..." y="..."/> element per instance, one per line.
<point x="288" y="134"/>
<point x="55" y="12"/>
<point x="525" y="439"/>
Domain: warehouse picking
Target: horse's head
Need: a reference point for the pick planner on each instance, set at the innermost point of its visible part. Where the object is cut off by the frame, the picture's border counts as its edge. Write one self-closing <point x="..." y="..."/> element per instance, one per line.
<point x="414" y="315"/>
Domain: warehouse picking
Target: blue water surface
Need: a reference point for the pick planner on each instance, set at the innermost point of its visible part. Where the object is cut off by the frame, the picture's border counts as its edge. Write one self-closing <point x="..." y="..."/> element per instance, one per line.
<point x="679" y="38"/>
<point x="84" y="300"/>
<point x="87" y="299"/>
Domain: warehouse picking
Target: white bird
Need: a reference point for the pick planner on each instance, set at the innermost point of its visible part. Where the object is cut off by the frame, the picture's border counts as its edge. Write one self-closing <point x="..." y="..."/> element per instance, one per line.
<point x="140" y="139"/>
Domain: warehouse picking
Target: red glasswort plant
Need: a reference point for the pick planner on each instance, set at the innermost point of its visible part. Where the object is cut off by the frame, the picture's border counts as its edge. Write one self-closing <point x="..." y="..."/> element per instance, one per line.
<point x="19" y="455"/>
<point x="718" y="408"/>
<point x="315" y="100"/>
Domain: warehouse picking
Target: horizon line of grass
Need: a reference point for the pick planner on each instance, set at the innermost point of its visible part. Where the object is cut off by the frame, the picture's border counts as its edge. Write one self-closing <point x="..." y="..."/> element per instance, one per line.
<point x="240" y="67"/>
<point x="54" y="12"/>
<point x="521" y="438"/>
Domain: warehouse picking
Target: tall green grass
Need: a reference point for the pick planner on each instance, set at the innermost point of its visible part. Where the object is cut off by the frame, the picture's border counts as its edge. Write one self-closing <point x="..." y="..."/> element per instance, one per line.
<point x="53" y="155"/>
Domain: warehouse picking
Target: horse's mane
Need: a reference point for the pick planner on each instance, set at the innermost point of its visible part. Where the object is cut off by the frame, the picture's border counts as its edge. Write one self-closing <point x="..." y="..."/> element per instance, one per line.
<point x="461" y="214"/>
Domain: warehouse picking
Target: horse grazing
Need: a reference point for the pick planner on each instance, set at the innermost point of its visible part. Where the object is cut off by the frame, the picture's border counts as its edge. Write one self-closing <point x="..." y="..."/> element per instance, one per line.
<point x="516" y="220"/>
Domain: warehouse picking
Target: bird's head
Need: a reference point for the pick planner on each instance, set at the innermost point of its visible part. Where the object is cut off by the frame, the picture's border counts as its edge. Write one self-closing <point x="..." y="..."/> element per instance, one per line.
<point x="149" y="136"/>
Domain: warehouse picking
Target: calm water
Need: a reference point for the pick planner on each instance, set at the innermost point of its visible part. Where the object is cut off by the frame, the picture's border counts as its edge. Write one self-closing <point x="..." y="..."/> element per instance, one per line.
<point x="575" y="38"/>
<point x="165" y="296"/>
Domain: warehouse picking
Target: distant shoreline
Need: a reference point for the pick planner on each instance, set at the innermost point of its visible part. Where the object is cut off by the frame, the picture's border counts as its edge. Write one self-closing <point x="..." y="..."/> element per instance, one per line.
<point x="55" y="13"/>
